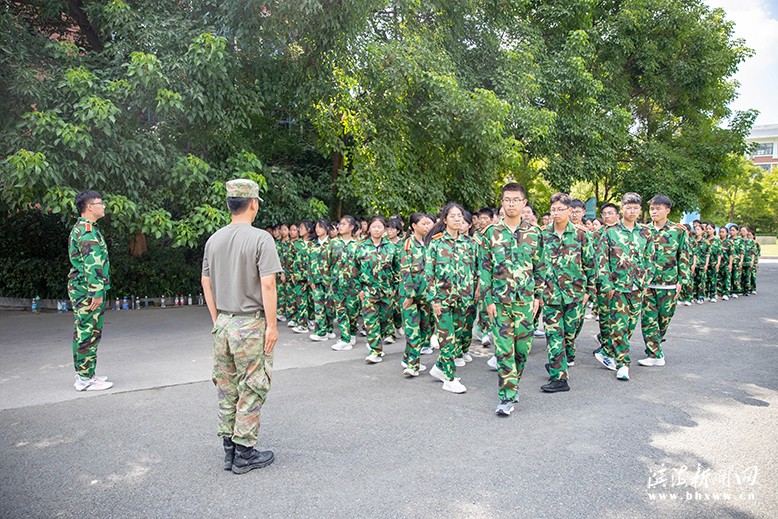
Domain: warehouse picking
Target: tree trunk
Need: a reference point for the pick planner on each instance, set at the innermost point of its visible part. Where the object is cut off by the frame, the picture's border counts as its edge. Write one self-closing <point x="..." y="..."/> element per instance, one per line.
<point x="76" y="11"/>
<point x="138" y="244"/>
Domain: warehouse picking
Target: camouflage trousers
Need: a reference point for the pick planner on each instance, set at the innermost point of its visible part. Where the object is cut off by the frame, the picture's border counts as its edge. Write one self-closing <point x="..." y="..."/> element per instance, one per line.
<point x="377" y="312"/>
<point x="87" y="332"/>
<point x="418" y="330"/>
<point x="658" y="309"/>
<point x="512" y="343"/>
<point x="724" y="280"/>
<point x="346" y="310"/>
<point x="483" y="321"/>
<point x="604" y="323"/>
<point x="711" y="282"/>
<point x="686" y="290"/>
<point x="736" y="275"/>
<point x="698" y="283"/>
<point x="281" y="291"/>
<point x="323" y="308"/>
<point x="753" y="278"/>
<point x="624" y="309"/>
<point x="562" y="324"/>
<point x="747" y="280"/>
<point x="450" y="327"/>
<point x="466" y="337"/>
<point x="298" y="302"/>
<point x="241" y="373"/>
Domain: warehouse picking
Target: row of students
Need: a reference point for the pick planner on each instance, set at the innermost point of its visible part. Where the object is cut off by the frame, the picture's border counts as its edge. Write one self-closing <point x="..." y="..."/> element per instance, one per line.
<point x="442" y="274"/>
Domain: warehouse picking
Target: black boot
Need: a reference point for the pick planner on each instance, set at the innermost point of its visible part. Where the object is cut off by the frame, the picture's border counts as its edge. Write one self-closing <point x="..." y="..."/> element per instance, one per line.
<point x="229" y="452"/>
<point x="249" y="458"/>
<point x="556" y="385"/>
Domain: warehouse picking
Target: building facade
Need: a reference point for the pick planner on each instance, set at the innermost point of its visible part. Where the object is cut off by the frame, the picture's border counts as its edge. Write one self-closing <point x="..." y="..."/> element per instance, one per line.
<point x="765" y="154"/>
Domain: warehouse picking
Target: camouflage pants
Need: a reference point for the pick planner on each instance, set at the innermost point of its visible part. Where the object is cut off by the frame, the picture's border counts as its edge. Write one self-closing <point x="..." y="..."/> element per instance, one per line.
<point x="561" y="325"/>
<point x="418" y="330"/>
<point x="241" y="373"/>
<point x="698" y="283"/>
<point x="387" y="321"/>
<point x="377" y="312"/>
<point x="88" y="330"/>
<point x="298" y="302"/>
<point x="686" y="290"/>
<point x="281" y="293"/>
<point x="658" y="309"/>
<point x="724" y="280"/>
<point x="465" y="337"/>
<point x="753" y="278"/>
<point x="624" y="309"/>
<point x="323" y="308"/>
<point x="483" y="321"/>
<point x="604" y="323"/>
<point x="736" y="274"/>
<point x="449" y="328"/>
<point x="745" y="281"/>
<point x="512" y="343"/>
<point x="711" y="282"/>
<point x="346" y="311"/>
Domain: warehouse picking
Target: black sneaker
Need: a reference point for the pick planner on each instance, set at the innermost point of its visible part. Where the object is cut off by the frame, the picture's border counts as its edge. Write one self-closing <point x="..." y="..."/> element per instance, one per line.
<point x="229" y="452"/>
<point x="548" y="368"/>
<point x="249" y="458"/>
<point x="555" y="386"/>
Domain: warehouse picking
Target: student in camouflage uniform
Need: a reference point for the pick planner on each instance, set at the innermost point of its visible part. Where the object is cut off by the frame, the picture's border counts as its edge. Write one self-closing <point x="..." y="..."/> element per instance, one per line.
<point x="377" y="262"/>
<point x="293" y="279"/>
<point x="714" y="264"/>
<point x="449" y="271"/>
<point x="416" y="311"/>
<point x="300" y="270"/>
<point x="757" y="251"/>
<point x="725" y="271"/>
<point x="671" y="271"/>
<point x="604" y="352"/>
<point x="88" y="282"/>
<point x="628" y="251"/>
<point x="394" y="326"/>
<point x="701" y="252"/>
<point x="567" y="276"/>
<point x="747" y="264"/>
<point x="321" y="288"/>
<point x="343" y="251"/>
<point x="511" y="286"/>
<point x="466" y="337"/>
<point x="240" y="263"/>
<point x="282" y="284"/>
<point x="737" y="259"/>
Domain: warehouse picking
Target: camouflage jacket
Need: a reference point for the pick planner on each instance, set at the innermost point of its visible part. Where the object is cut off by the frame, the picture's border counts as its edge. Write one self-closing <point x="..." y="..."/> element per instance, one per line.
<point x="701" y="251"/>
<point x="342" y="257"/>
<point x="450" y="270"/>
<point x="319" y="261"/>
<point x="284" y="248"/>
<point x="412" y="256"/>
<point x="568" y="264"/>
<point x="627" y="257"/>
<point x="714" y="251"/>
<point x="88" y="254"/>
<point x="510" y="264"/>
<point x="726" y="251"/>
<point x="298" y="264"/>
<point x="749" y="251"/>
<point x="672" y="260"/>
<point x="376" y="266"/>
<point x="738" y="249"/>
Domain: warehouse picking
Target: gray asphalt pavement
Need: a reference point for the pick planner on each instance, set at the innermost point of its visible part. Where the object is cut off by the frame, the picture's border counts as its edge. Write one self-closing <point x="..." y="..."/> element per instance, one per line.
<point x="693" y="439"/>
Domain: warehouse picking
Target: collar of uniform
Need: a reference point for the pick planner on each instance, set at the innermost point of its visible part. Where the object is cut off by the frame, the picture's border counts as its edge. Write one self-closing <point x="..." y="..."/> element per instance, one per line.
<point x="86" y="220"/>
<point x="502" y="226"/>
<point x="569" y="228"/>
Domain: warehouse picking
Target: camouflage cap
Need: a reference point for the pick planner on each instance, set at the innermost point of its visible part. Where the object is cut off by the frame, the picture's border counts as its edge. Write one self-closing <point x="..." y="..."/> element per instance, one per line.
<point x="243" y="188"/>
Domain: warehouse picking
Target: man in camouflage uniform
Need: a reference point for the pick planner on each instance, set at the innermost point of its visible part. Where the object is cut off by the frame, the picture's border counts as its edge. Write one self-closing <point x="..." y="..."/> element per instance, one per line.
<point x="604" y="353"/>
<point x="714" y="264"/>
<point x="321" y="285"/>
<point x="627" y="250"/>
<point x="725" y="271"/>
<point x="510" y="284"/>
<point x="344" y="284"/>
<point x="568" y="273"/>
<point x="736" y="249"/>
<point x="671" y="271"/>
<point x="747" y="264"/>
<point x="240" y="264"/>
<point x="88" y="283"/>
<point x="701" y="263"/>
<point x="415" y="310"/>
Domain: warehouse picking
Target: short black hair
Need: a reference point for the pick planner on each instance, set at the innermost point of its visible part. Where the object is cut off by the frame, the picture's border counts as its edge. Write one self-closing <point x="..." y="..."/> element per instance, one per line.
<point x="83" y="199"/>
<point x="605" y="206"/>
<point x="237" y="205"/>
<point x="575" y="203"/>
<point x="486" y="211"/>
<point x="562" y="198"/>
<point x="514" y="186"/>
<point x="661" y="200"/>
<point x="631" y="198"/>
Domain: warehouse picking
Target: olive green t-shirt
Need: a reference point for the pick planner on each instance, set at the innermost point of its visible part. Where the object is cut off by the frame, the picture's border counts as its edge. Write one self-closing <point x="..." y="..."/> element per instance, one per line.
<point x="235" y="258"/>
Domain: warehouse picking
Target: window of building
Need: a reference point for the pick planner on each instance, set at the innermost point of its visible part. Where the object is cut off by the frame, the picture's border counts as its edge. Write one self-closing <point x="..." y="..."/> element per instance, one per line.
<point x="764" y="149"/>
<point x="765" y="167"/>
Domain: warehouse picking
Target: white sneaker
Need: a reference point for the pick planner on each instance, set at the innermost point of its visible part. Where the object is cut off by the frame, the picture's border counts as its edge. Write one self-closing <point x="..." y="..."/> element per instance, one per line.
<point x="454" y="386"/>
<point x="399" y="332"/>
<point x="353" y="340"/>
<point x="330" y="335"/>
<point x="486" y="340"/>
<point x="437" y="373"/>
<point x="434" y="342"/>
<point x="713" y="300"/>
<point x="341" y="346"/>
<point x="408" y="372"/>
<point x="467" y="357"/>
<point x="291" y="324"/>
<point x="282" y="318"/>
<point x="363" y="333"/>
<point x="687" y="303"/>
<point x="317" y="338"/>
<point x="91" y="384"/>
<point x="312" y="326"/>
<point x="300" y="329"/>
<point x="734" y="296"/>
<point x="389" y="340"/>
<point x="623" y="373"/>
<point x="589" y="317"/>
<point x="648" y="361"/>
<point x="422" y="367"/>
<point x="753" y="293"/>
<point x="374" y="359"/>
<point x="725" y="298"/>
<point x="539" y="333"/>
<point x="459" y="362"/>
<point x="605" y="361"/>
<point x="492" y="363"/>
<point x="427" y="350"/>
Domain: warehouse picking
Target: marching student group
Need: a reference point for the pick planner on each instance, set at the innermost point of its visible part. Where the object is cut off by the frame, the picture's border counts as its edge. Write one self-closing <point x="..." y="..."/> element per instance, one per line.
<point x="505" y="278"/>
